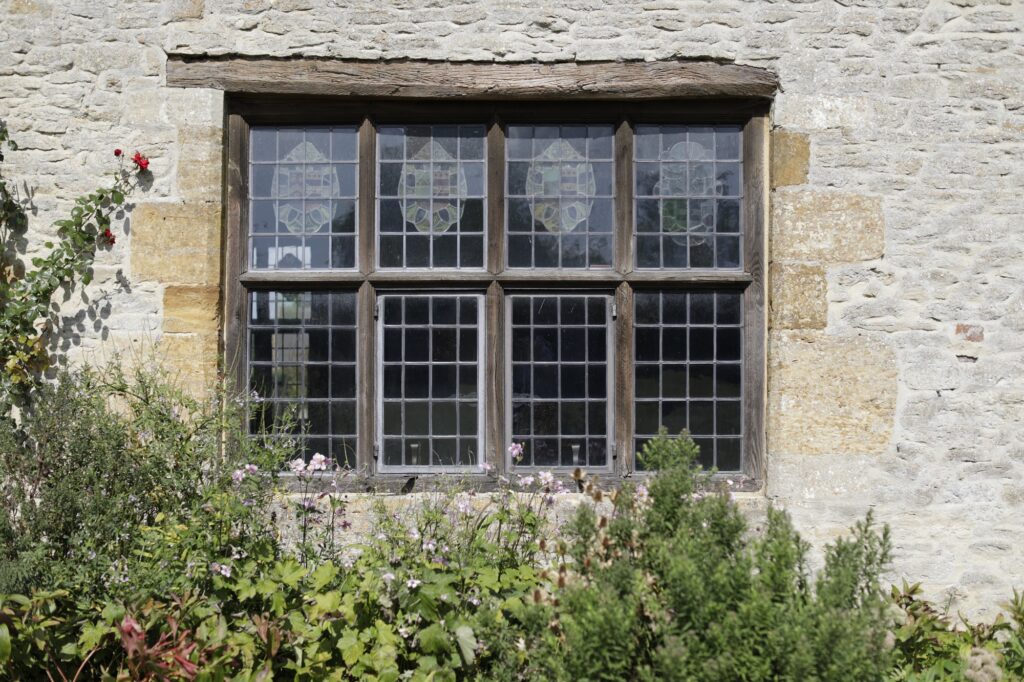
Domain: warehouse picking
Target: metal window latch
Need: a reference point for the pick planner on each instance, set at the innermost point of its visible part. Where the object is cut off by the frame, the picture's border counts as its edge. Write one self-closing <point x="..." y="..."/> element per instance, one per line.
<point x="615" y="311"/>
<point x="376" y="450"/>
<point x="376" y="310"/>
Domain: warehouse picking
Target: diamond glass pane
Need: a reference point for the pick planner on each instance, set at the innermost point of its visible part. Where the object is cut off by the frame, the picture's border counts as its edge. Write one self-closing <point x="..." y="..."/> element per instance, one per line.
<point x="302" y="369"/>
<point x="687" y="197"/>
<point x="302" y="198"/>
<point x="559" y="208"/>
<point x="431" y="192"/>
<point x="559" y="380"/>
<point x="687" y="352"/>
<point x="431" y="381"/>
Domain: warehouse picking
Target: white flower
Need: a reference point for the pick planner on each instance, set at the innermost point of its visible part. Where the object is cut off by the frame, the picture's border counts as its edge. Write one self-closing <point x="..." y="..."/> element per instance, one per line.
<point x="546" y="478"/>
<point x="521" y="644"/>
<point x="238" y="475"/>
<point x="642" y="494"/>
<point x="412" y="583"/>
<point x="525" y="481"/>
<point x="223" y="569"/>
<point x="429" y="545"/>
<point x="251" y="468"/>
<point x="388" y="577"/>
<point x="297" y="465"/>
<point x="414" y="534"/>
<point x="318" y="463"/>
<point x="464" y="507"/>
<point x="487" y="467"/>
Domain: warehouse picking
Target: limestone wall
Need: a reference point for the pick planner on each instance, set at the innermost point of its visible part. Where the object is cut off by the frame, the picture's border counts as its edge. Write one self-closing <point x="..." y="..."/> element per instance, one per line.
<point x="895" y="362"/>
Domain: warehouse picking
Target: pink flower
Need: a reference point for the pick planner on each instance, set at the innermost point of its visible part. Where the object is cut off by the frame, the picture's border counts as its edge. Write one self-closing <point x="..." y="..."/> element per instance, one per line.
<point x="238" y="475"/>
<point x="297" y="465"/>
<point x="251" y="468"/>
<point x="318" y="463"/>
<point x="515" y="450"/>
<point x="412" y="583"/>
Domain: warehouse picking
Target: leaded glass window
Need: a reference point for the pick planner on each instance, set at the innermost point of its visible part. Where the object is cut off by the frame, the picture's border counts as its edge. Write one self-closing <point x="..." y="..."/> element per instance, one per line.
<point x="560" y="379"/>
<point x="302" y="367"/>
<point x="424" y="284"/>
<point x="560" y="208"/>
<point x="688" y="367"/>
<point x="430" y="380"/>
<point x="302" y="206"/>
<point x="688" y="189"/>
<point x="431" y="195"/>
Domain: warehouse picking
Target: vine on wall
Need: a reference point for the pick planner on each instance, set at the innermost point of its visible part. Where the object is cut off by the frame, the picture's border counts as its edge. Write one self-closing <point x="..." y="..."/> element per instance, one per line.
<point x="26" y="317"/>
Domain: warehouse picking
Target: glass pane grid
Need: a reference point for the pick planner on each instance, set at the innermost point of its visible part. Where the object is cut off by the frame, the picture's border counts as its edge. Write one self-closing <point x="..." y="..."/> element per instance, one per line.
<point x="302" y="198"/>
<point x="430" y="388"/>
<point x="559" y="380"/>
<point x="687" y="197"/>
<point x="559" y="184"/>
<point x="302" y="367"/>
<point x="688" y="366"/>
<point x="431" y="196"/>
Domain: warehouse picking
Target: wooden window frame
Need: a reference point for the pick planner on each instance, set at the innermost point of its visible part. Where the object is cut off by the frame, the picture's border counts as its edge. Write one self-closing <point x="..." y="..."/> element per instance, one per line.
<point x="245" y="110"/>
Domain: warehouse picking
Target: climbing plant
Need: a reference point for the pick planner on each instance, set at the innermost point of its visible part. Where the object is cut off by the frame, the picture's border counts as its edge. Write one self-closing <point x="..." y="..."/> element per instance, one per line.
<point x="25" y="301"/>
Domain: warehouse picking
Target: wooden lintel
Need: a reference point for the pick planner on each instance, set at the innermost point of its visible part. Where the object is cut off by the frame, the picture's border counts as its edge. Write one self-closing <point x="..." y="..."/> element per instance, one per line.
<point x="470" y="81"/>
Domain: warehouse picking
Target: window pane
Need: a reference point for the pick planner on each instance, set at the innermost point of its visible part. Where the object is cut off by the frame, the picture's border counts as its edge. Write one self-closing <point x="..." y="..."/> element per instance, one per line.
<point x="302" y="367"/>
<point x="302" y="206"/>
<point x="431" y="192"/>
<point x="687" y="355"/>
<point x="559" y="389"/>
<point x="431" y="380"/>
<point x="688" y="188"/>
<point x="560" y="196"/>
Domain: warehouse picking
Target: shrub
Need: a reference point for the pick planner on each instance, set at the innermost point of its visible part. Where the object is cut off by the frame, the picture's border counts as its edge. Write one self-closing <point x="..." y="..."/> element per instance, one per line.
<point x="98" y="458"/>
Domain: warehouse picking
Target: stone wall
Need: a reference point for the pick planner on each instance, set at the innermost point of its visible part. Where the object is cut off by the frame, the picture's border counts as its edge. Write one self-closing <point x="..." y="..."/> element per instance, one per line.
<point x="895" y="367"/>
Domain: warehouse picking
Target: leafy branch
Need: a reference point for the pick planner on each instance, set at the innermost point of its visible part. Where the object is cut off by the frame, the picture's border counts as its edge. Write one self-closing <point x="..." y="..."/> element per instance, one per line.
<point x="25" y="319"/>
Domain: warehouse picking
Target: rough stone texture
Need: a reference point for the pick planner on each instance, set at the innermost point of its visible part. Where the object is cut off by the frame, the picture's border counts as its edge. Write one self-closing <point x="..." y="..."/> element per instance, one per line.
<point x="827" y="227"/>
<point x="797" y="296"/>
<point x="177" y="243"/>
<point x="791" y="156"/>
<point x="830" y="395"/>
<point x="910" y="206"/>
<point x="190" y="309"/>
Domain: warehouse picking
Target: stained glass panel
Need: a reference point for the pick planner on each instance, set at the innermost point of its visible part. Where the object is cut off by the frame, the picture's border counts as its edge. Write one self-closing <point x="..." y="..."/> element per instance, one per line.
<point x="688" y="190"/>
<point x="302" y="198"/>
<point x="559" y="207"/>
<point x="430" y="196"/>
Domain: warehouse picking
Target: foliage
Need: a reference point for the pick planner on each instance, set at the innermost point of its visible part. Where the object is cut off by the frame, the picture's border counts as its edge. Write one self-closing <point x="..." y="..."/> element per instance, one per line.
<point x="99" y="458"/>
<point x="928" y="647"/>
<point x="25" y="302"/>
<point x="142" y="523"/>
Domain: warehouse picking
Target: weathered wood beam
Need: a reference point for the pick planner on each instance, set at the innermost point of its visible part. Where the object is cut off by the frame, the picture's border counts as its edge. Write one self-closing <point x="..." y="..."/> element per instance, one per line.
<point x="470" y="81"/>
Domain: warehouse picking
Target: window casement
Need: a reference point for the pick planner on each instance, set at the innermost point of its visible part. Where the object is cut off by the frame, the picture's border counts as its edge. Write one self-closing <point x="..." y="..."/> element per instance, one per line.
<point x="420" y="283"/>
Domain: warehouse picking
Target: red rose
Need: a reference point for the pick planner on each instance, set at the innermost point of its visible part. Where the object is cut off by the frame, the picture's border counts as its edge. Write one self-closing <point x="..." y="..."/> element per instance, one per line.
<point x="141" y="161"/>
<point x="117" y="152"/>
<point x="109" y="236"/>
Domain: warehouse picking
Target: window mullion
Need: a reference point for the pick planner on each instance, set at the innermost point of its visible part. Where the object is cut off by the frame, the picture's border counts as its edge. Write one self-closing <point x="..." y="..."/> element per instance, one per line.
<point x="366" y="367"/>
<point x="623" y="190"/>
<point x="495" y="155"/>
<point x="623" y="442"/>
<point x="494" y="368"/>
<point x="754" y="208"/>
<point x="367" y="196"/>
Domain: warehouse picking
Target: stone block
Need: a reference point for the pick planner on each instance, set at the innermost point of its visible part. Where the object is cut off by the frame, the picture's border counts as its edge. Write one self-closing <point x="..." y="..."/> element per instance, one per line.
<point x="830" y="395"/>
<point x="790" y="158"/>
<point x="191" y="309"/>
<point x="827" y="227"/>
<point x="190" y="360"/>
<point x="797" y="297"/>
<point x="176" y="243"/>
<point x="200" y="163"/>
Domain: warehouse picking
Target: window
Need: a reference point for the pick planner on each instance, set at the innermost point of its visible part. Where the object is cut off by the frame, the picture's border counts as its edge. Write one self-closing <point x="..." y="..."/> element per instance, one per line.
<point x="419" y="285"/>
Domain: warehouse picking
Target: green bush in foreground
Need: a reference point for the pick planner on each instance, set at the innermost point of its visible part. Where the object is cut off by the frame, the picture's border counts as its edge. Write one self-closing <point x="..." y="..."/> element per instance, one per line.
<point x="138" y="524"/>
